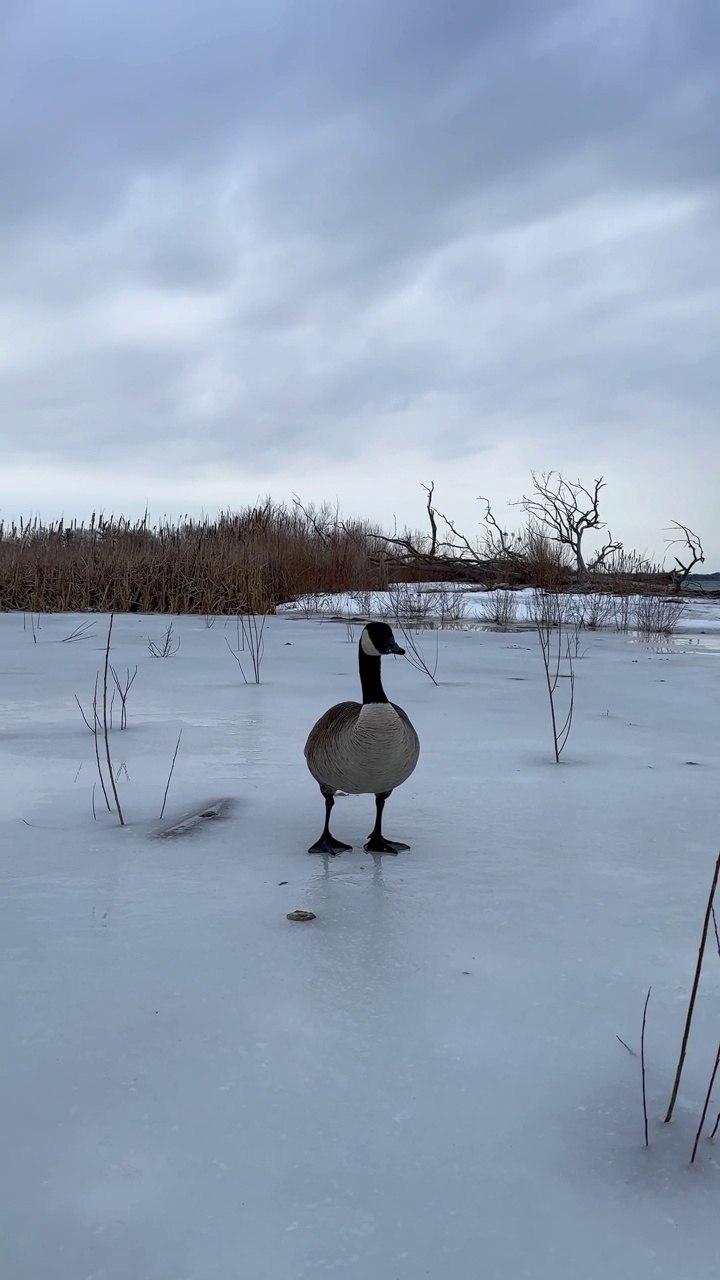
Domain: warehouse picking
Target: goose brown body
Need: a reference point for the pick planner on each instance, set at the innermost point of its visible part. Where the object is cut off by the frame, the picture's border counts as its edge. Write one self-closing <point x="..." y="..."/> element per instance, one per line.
<point x="362" y="748"/>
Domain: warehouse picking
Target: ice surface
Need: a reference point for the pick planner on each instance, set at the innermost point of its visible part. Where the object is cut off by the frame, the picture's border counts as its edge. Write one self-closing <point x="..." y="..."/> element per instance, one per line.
<point x="424" y="1081"/>
<point x="699" y="617"/>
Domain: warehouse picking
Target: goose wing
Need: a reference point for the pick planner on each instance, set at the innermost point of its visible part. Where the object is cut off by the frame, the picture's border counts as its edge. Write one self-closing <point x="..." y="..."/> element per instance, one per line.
<point x="336" y="720"/>
<point x="408" y="722"/>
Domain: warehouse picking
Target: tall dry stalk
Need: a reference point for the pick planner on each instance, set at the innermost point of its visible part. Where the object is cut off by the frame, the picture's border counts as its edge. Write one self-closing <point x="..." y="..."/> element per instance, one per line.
<point x="693" y="993"/>
<point x="106" y="723"/>
<point x="701" y="1125"/>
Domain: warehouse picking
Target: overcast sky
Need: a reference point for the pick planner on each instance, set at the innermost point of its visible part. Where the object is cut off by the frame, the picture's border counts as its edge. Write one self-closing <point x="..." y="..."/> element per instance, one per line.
<point x="343" y="247"/>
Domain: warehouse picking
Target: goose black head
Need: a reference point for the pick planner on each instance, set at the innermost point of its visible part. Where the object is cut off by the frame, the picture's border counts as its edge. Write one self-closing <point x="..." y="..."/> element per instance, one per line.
<point x="377" y="639"/>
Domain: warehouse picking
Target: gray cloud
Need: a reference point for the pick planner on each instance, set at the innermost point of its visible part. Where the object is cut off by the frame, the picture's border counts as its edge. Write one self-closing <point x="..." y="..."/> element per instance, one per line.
<point x="252" y="234"/>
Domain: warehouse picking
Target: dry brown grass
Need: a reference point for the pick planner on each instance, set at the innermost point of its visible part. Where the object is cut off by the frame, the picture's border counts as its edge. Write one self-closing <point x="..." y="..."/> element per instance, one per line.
<point x="243" y="562"/>
<point x="251" y="560"/>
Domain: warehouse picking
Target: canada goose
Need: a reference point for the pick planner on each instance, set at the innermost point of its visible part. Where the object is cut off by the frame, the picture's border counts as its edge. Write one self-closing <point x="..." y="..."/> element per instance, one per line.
<point x="363" y="747"/>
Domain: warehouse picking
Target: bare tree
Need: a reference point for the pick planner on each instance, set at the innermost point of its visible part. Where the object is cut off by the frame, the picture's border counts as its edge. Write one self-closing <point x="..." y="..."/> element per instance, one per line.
<point x="693" y="552"/>
<point x="568" y="510"/>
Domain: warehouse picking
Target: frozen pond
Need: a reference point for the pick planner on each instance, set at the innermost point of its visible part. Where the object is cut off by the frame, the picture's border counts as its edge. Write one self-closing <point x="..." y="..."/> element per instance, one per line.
<point x="424" y="1081"/>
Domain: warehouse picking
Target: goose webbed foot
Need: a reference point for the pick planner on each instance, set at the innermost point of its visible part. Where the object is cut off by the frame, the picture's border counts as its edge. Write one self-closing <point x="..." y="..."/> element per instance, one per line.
<point x="328" y="845"/>
<point x="376" y="840"/>
<point x="378" y="844"/>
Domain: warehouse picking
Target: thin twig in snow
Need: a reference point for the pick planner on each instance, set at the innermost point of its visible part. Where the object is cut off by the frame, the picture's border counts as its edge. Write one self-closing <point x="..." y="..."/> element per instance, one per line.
<point x="415" y="654"/>
<point x="97" y="744"/>
<point x="82" y="713"/>
<point x="705" y="1108"/>
<point x="642" y="1067"/>
<point x="626" y="1046"/>
<point x="172" y="766"/>
<point x="693" y="994"/>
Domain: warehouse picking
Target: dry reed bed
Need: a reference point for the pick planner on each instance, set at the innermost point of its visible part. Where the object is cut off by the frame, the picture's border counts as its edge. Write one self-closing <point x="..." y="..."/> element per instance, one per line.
<point x="244" y="562"/>
<point x="240" y="563"/>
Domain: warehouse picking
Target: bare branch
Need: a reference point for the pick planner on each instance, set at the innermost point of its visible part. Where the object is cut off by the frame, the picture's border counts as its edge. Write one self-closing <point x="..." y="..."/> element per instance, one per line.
<point x="430" y="489"/>
<point x="606" y="552"/>
<point x="694" y="552"/>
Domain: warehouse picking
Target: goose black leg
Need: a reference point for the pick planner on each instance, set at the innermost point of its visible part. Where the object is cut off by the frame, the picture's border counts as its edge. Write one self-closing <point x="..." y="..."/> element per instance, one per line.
<point x="377" y="842"/>
<point x="328" y="844"/>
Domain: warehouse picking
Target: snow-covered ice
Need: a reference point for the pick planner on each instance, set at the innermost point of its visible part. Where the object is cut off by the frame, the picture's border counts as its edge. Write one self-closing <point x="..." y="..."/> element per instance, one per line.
<point x="424" y="1081"/>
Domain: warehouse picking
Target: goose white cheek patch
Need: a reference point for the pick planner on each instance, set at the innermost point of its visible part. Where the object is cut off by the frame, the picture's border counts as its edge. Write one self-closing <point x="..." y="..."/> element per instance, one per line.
<point x="368" y="647"/>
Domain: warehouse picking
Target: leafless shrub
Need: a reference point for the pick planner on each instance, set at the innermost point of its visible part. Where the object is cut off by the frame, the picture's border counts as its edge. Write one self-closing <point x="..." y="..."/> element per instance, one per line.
<point x="499" y="607"/>
<point x="545" y="562"/>
<point x="307" y="606"/>
<point x="545" y="608"/>
<point x="123" y="687"/>
<point x="363" y="602"/>
<point x="553" y="648"/>
<point x="572" y="612"/>
<point x="453" y="605"/>
<point x="599" y="609"/>
<point x="658" y="615"/>
<point x="409" y="606"/>
<point x="250" y="640"/>
<point x="623" y="611"/>
<point x="167" y="647"/>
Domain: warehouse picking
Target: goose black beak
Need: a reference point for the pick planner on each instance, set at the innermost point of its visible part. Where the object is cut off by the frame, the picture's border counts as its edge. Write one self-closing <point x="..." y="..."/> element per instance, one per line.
<point x="394" y="647"/>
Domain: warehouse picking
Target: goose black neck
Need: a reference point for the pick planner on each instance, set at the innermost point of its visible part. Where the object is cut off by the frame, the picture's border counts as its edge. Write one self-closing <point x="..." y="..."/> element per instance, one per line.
<point x="372" y="690"/>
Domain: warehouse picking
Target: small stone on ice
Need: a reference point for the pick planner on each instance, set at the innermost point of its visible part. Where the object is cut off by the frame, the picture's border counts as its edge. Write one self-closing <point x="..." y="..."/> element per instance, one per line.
<point x="301" y="915"/>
